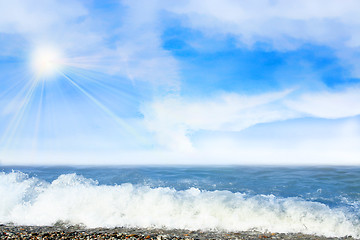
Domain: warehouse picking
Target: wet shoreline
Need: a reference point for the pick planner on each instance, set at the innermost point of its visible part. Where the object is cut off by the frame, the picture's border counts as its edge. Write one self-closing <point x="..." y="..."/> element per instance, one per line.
<point x="77" y="232"/>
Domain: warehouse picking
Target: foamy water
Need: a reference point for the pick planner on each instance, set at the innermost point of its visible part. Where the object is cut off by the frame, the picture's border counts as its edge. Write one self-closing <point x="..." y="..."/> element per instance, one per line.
<point x="75" y="199"/>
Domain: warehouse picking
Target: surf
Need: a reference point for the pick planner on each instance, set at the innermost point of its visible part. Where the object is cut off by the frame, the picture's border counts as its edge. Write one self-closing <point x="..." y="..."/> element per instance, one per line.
<point x="74" y="199"/>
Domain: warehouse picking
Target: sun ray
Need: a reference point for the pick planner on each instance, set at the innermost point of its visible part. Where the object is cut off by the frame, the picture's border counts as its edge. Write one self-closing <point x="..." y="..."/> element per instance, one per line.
<point x="106" y="110"/>
<point x="36" y="122"/>
<point x="104" y="88"/>
<point x="13" y="126"/>
<point x="100" y="83"/>
<point x="15" y="88"/>
<point x="38" y="117"/>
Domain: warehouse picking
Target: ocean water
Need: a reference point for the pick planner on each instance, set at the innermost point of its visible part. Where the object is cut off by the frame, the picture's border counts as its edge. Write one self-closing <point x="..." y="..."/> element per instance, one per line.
<point x="313" y="200"/>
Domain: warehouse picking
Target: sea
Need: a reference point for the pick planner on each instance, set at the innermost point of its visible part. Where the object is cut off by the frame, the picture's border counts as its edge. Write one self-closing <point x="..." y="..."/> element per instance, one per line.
<point x="321" y="200"/>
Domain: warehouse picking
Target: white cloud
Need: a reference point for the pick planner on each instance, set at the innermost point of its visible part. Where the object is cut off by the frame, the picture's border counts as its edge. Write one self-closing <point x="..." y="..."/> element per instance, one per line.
<point x="175" y="119"/>
<point x="284" y="25"/>
<point x="328" y="104"/>
<point x="137" y="52"/>
<point x="37" y="16"/>
<point x="281" y="22"/>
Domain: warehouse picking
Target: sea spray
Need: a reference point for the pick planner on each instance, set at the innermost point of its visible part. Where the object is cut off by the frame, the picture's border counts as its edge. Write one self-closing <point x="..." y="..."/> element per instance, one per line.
<point x="77" y="200"/>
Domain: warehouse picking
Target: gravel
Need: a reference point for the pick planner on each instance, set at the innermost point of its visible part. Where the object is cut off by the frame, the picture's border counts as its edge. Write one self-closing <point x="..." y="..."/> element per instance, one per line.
<point x="78" y="232"/>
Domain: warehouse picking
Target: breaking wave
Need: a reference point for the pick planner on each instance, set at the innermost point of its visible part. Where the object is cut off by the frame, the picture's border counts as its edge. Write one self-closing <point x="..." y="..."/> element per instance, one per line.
<point x="77" y="200"/>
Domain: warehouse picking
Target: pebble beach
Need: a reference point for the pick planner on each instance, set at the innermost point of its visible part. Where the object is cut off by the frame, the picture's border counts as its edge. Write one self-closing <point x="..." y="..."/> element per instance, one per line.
<point x="76" y="232"/>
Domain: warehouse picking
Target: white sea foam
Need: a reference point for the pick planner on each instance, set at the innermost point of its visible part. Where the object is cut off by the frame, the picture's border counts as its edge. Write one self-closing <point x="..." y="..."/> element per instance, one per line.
<point x="77" y="200"/>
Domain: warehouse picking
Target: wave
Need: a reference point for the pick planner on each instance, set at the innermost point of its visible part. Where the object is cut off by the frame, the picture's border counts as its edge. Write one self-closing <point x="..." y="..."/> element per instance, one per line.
<point x="77" y="200"/>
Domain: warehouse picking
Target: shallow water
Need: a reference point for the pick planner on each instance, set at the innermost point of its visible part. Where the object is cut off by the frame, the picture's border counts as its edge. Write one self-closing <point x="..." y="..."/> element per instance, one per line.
<point x="314" y="200"/>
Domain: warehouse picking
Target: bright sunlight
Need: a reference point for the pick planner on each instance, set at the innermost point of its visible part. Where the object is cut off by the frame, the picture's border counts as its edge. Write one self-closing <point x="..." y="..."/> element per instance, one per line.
<point x="46" y="61"/>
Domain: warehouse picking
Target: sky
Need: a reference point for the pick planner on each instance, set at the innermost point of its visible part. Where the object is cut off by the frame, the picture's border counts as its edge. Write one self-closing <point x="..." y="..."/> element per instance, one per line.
<point x="266" y="82"/>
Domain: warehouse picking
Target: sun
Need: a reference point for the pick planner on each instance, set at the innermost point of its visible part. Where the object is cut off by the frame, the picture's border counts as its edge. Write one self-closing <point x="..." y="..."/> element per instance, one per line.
<point x="46" y="61"/>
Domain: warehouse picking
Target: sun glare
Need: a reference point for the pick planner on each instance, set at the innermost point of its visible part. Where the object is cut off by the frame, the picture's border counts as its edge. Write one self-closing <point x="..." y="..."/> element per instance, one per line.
<point x="46" y="62"/>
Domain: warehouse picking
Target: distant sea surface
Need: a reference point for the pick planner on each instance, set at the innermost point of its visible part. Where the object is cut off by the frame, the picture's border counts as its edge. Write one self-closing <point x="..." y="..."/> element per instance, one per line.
<point x="313" y="200"/>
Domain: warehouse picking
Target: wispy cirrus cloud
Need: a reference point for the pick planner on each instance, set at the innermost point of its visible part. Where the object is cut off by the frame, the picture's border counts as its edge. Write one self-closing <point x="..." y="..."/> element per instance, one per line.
<point x="330" y="105"/>
<point x="175" y="119"/>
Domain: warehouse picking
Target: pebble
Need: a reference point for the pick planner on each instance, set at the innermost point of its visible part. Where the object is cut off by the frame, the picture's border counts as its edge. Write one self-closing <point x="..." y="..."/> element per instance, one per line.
<point x="79" y="232"/>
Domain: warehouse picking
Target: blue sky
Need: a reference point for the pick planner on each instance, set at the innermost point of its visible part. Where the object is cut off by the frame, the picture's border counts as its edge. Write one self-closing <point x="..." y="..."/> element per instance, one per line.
<point x="179" y="82"/>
